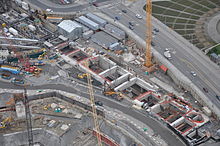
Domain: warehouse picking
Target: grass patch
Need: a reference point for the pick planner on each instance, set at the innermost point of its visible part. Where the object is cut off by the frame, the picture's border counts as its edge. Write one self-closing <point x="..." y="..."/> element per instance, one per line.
<point x="181" y="32"/>
<point x="161" y="18"/>
<point x="217" y="2"/>
<point x="191" y="22"/>
<point x="179" y="26"/>
<point x="181" y="21"/>
<point x="198" y="13"/>
<point x="185" y="15"/>
<point x="171" y="13"/>
<point x="169" y="19"/>
<point x="194" y="17"/>
<point x="189" y="31"/>
<point x="190" y="26"/>
<point x="204" y="9"/>
<point x="206" y="3"/>
<point x="189" y="10"/>
<point x="215" y="50"/>
<point x="163" y="3"/>
<point x="157" y="10"/>
<point x="186" y="3"/>
<point x="177" y="7"/>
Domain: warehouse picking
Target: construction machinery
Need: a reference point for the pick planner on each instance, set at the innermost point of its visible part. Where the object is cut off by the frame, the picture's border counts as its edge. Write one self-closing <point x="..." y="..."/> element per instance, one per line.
<point x="5" y="122"/>
<point x="28" y="119"/>
<point x="148" y="62"/>
<point x="41" y="57"/>
<point x="24" y="60"/>
<point x="117" y="95"/>
<point x="82" y="76"/>
<point x="17" y="81"/>
<point x="94" y="112"/>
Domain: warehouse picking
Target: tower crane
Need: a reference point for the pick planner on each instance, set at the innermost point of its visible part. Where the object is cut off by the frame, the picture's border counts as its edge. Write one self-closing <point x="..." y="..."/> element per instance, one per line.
<point x="28" y="119"/>
<point x="148" y="62"/>
<point x="94" y="112"/>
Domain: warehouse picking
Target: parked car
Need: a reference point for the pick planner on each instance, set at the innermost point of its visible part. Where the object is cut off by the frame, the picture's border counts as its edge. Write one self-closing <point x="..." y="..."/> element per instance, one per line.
<point x="156" y="29"/>
<point x="99" y="103"/>
<point x="117" y="18"/>
<point x="124" y="11"/>
<point x="131" y="27"/>
<point x="152" y="43"/>
<point x="138" y="16"/>
<point x="131" y="23"/>
<point x="218" y="97"/>
<point x="95" y="4"/>
<point x="205" y="89"/>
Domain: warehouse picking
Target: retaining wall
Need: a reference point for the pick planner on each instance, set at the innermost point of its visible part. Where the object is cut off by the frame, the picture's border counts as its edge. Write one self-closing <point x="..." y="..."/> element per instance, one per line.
<point x="67" y="99"/>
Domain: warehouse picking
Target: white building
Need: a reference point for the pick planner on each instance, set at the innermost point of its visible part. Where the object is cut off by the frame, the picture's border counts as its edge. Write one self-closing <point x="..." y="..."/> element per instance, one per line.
<point x="70" y="29"/>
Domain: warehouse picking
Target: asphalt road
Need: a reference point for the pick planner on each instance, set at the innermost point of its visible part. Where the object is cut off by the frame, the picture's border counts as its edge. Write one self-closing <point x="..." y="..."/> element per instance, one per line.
<point x="64" y="8"/>
<point x="186" y="60"/>
<point x="58" y="8"/>
<point x="167" y="135"/>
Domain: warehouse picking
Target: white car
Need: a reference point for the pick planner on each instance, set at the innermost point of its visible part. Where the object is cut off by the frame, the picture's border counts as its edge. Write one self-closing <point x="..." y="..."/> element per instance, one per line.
<point x="49" y="10"/>
<point x="166" y="49"/>
<point x="193" y="73"/>
<point x="167" y="54"/>
<point x="138" y="16"/>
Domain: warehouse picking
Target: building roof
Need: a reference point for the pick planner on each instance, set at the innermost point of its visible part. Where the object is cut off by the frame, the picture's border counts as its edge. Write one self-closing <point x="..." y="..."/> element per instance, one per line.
<point x="96" y="18"/>
<point x="69" y="25"/>
<point x="103" y="39"/>
<point x="90" y="22"/>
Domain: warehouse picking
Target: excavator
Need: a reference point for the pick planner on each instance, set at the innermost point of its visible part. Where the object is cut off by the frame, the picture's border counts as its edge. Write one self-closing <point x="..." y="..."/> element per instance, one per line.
<point x="117" y="95"/>
<point x="5" y="122"/>
<point x="82" y="76"/>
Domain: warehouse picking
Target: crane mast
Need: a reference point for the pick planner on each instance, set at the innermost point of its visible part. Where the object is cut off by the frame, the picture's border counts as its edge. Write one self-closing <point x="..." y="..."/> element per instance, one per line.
<point x="94" y="112"/>
<point x="148" y="56"/>
<point x="28" y="119"/>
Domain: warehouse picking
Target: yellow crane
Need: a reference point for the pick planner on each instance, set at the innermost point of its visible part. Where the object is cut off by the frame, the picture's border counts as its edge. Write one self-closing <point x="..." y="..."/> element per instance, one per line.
<point x="148" y="56"/>
<point x="94" y="113"/>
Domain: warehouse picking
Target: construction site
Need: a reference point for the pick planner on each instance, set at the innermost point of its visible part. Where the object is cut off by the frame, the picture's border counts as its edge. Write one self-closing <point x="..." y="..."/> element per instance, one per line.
<point x="91" y="60"/>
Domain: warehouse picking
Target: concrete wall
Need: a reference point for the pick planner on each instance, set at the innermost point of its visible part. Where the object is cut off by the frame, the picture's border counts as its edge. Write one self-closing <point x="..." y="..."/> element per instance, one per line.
<point x="178" y="122"/>
<point x="123" y="78"/>
<point x="133" y="81"/>
<point x="105" y="63"/>
<point x="156" y="108"/>
<point x="67" y="99"/>
<point x="120" y="80"/>
<point x="93" y="74"/>
<point x="109" y="71"/>
<point x="69" y="60"/>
